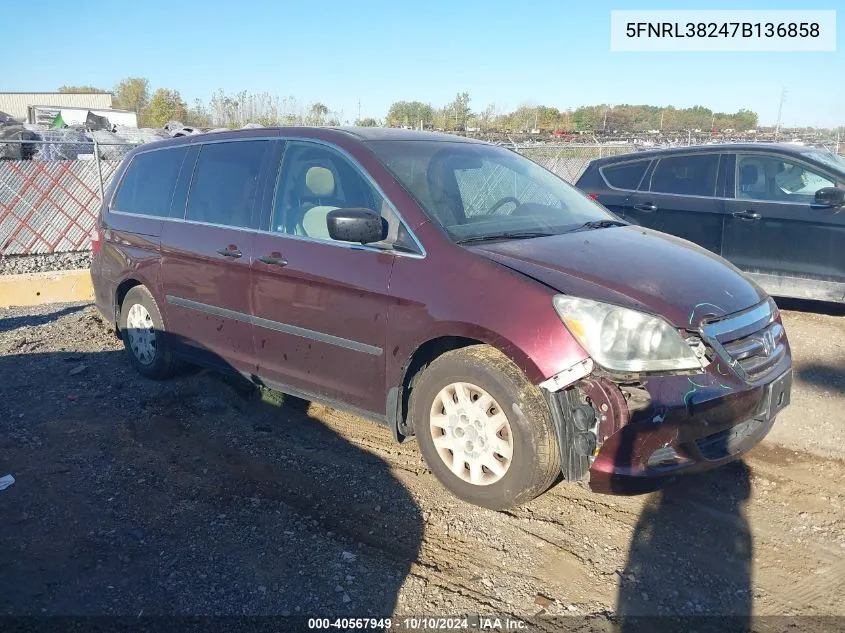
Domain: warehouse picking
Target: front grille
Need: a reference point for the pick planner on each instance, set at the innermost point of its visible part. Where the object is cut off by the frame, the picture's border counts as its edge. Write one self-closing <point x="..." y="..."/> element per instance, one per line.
<point x="751" y="341"/>
<point x="759" y="352"/>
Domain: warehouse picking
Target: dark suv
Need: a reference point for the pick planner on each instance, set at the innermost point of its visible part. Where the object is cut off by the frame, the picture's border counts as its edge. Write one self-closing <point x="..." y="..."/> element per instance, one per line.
<point x="450" y="289"/>
<point x="775" y="211"/>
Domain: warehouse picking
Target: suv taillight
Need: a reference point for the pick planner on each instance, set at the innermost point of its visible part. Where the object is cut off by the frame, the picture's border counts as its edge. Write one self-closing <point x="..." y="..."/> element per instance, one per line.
<point x="96" y="241"/>
<point x="593" y="196"/>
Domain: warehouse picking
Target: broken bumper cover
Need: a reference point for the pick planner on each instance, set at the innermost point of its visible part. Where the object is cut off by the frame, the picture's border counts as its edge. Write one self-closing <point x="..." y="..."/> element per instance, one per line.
<point x="693" y="424"/>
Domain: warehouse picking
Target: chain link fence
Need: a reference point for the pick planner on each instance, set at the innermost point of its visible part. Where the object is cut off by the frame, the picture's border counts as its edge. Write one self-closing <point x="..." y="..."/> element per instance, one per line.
<point x="569" y="160"/>
<point x="50" y="192"/>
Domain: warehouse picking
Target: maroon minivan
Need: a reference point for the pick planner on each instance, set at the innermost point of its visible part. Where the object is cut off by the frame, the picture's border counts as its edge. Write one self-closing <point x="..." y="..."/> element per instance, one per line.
<point x="450" y="289"/>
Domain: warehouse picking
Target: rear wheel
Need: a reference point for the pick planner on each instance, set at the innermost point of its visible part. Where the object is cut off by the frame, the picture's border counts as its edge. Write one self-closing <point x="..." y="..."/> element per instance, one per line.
<point x="483" y="429"/>
<point x="142" y="330"/>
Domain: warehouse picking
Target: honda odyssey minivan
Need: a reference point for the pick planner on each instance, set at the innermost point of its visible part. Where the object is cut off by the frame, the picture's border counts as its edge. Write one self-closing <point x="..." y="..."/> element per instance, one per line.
<point x="450" y="289"/>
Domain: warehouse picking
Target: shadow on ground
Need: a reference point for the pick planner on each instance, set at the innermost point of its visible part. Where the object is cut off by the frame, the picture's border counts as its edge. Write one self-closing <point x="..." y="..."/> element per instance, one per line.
<point x="691" y="553"/>
<point x="198" y="495"/>
<point x="822" y="375"/>
<point x="12" y="323"/>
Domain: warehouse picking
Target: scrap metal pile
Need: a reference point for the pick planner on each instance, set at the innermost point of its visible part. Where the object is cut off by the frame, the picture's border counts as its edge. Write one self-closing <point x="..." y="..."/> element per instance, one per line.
<point x="27" y="141"/>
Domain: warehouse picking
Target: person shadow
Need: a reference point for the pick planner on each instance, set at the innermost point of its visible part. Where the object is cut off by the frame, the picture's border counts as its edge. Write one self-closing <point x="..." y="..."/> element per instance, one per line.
<point x="689" y="564"/>
<point x="197" y="495"/>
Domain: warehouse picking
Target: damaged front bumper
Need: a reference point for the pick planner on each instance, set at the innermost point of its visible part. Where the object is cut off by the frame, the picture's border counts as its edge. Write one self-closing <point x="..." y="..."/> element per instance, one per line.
<point x="627" y="435"/>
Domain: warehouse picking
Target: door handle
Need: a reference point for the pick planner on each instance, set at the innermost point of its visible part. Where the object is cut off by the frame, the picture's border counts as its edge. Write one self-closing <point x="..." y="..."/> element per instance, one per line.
<point x="648" y="207"/>
<point x="747" y="215"/>
<point x="230" y="251"/>
<point x="274" y="259"/>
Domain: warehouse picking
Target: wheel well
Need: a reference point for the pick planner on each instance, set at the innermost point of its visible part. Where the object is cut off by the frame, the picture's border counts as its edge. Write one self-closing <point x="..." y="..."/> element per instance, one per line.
<point x="421" y="358"/>
<point x="124" y="287"/>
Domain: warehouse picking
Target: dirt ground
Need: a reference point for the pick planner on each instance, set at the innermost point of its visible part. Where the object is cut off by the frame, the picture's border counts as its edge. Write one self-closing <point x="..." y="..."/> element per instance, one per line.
<point x="200" y="496"/>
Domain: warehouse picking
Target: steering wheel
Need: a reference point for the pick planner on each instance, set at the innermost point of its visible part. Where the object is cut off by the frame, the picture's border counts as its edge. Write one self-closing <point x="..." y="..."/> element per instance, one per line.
<point x="502" y="202"/>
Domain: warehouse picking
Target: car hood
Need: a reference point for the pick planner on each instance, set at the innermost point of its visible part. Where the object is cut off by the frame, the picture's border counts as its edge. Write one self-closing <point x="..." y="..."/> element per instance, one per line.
<point x="633" y="267"/>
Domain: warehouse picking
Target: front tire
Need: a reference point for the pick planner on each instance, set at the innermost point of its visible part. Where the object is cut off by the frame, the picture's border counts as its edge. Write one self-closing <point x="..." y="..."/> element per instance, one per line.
<point x="143" y="334"/>
<point x="483" y="429"/>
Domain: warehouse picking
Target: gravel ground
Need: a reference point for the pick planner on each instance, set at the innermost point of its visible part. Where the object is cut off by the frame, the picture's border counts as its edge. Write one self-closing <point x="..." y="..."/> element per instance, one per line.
<point x="19" y="264"/>
<point x="200" y="495"/>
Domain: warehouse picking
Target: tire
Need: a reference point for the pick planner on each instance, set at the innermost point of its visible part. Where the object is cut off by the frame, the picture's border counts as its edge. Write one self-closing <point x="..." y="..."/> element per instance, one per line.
<point x="483" y="371"/>
<point x="155" y="360"/>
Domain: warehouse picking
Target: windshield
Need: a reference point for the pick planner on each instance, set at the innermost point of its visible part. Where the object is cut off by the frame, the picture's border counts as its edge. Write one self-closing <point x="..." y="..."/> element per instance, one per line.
<point x="477" y="191"/>
<point x="828" y="158"/>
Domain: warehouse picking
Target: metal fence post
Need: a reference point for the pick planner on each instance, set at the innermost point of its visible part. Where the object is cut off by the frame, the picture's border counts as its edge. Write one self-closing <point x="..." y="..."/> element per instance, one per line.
<point x="99" y="171"/>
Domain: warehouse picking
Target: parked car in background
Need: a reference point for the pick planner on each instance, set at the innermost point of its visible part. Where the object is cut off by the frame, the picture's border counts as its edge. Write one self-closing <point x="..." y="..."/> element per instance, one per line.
<point x="777" y="212"/>
<point x="454" y="291"/>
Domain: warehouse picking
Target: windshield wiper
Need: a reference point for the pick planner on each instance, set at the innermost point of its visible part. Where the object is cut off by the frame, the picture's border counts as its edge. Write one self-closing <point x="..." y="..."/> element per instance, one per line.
<point x="600" y="224"/>
<point x="513" y="235"/>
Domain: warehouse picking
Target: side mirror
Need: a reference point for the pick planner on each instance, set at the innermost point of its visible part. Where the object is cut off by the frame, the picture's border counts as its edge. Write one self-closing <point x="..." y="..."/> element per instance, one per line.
<point x="356" y="225"/>
<point x="829" y="197"/>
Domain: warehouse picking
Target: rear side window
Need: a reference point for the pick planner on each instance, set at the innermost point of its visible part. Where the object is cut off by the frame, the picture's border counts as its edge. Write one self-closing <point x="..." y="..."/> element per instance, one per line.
<point x="225" y="184"/>
<point x="625" y="176"/>
<point x="147" y="187"/>
<point x="692" y="175"/>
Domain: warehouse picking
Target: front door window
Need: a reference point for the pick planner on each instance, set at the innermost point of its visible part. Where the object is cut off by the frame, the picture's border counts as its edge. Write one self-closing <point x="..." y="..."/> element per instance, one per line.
<point x="772" y="178"/>
<point x="315" y="180"/>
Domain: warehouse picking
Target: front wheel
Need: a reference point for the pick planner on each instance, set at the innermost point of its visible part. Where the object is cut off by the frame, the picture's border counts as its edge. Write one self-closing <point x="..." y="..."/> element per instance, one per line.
<point x="483" y="429"/>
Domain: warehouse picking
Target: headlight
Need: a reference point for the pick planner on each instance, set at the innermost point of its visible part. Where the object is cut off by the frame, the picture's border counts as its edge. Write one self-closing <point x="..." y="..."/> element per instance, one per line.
<point x="625" y="340"/>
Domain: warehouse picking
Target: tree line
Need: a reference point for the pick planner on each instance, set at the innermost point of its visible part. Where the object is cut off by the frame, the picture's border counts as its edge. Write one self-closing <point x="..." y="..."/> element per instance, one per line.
<point x="156" y="108"/>
<point x="133" y="93"/>
<point x="457" y="115"/>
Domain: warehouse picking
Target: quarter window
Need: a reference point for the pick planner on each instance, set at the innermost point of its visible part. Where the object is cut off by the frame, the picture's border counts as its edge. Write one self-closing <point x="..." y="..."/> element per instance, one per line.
<point x="761" y="177"/>
<point x="225" y="184"/>
<point x="147" y="187"/>
<point x="691" y="175"/>
<point x="625" y="176"/>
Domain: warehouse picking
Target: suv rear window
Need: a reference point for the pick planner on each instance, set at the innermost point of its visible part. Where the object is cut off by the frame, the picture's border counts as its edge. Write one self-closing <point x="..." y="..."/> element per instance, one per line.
<point x="147" y="186"/>
<point x="626" y="175"/>
<point x="692" y="175"/>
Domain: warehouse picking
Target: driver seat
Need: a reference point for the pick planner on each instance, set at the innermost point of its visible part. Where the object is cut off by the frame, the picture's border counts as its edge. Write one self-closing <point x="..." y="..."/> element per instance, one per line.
<point x="752" y="180"/>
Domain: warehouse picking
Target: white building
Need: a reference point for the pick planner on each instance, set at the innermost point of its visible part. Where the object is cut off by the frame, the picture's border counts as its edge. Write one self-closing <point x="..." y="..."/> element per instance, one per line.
<point x="45" y="115"/>
<point x="17" y="104"/>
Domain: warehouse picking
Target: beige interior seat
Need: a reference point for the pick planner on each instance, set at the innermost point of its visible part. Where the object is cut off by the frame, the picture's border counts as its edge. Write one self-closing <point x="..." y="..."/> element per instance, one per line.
<point x="320" y="183"/>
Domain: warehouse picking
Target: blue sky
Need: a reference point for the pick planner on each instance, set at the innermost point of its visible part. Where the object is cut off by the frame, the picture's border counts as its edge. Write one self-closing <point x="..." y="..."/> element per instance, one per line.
<point x="552" y="52"/>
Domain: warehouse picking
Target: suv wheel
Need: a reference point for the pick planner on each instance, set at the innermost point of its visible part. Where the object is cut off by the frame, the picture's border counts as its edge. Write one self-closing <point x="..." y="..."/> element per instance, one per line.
<point x="483" y="429"/>
<point x="142" y="330"/>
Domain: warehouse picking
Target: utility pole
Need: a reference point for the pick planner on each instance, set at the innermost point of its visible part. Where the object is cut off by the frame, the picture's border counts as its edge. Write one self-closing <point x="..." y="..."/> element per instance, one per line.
<point x="604" y="125"/>
<point x="780" y="112"/>
<point x="661" y="120"/>
<point x="359" y="109"/>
